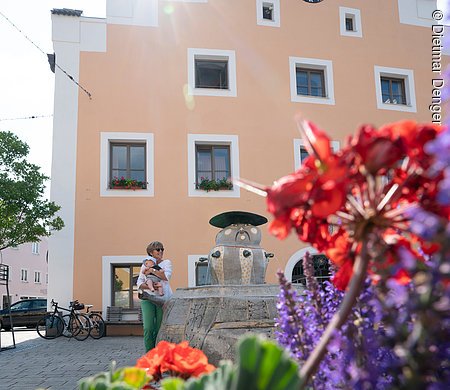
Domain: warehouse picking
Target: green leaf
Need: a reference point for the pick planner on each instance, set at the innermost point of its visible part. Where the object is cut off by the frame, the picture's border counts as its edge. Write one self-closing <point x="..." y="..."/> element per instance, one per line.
<point x="219" y="379"/>
<point x="25" y="216"/>
<point x="263" y="365"/>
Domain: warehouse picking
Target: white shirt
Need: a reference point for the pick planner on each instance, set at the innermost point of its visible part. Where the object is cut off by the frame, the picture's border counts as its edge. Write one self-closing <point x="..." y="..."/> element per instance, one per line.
<point x="166" y="266"/>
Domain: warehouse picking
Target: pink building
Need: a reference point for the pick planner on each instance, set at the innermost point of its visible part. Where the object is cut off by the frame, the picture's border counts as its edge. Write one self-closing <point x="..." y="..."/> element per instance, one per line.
<point x="28" y="276"/>
<point x="177" y="91"/>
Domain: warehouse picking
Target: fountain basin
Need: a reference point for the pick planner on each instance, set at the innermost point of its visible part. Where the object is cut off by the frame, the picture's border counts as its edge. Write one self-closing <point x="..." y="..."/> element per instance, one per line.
<point x="213" y="318"/>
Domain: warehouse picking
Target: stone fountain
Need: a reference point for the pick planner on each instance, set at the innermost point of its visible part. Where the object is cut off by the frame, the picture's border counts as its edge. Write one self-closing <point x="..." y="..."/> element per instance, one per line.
<point x="237" y="301"/>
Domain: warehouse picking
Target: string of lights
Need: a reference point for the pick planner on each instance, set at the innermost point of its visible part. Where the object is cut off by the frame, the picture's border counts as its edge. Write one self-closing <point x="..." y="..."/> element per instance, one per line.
<point x="42" y="51"/>
<point x="25" y="117"/>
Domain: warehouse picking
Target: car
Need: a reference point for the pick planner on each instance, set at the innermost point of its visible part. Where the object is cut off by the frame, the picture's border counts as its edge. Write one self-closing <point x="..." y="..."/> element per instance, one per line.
<point x="26" y="312"/>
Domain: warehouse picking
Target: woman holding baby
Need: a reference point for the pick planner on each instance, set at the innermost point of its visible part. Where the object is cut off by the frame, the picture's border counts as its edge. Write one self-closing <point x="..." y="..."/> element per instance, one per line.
<point x="147" y="282"/>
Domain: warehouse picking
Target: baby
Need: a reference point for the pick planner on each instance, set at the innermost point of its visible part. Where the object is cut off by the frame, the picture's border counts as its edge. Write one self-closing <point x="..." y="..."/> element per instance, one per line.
<point x="152" y="281"/>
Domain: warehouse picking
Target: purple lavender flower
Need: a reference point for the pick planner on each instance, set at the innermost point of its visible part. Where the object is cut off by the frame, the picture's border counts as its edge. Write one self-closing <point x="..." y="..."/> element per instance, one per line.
<point x="355" y="358"/>
<point x="423" y="223"/>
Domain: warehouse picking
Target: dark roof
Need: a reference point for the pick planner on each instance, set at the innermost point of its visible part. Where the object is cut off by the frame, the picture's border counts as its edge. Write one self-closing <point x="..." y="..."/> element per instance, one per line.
<point x="237" y="217"/>
<point x="66" y="12"/>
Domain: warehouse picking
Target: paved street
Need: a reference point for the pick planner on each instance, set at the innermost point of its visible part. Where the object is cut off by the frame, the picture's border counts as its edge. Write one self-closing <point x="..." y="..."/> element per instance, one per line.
<point x="58" y="364"/>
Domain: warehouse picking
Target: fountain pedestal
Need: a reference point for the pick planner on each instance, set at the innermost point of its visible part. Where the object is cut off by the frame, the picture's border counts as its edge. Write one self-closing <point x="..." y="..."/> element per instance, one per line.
<point x="213" y="318"/>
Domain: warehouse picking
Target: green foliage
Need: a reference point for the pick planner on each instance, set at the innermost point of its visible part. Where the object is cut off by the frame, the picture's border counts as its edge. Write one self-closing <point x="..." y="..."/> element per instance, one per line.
<point x="262" y="365"/>
<point x="128" y="183"/>
<point x="25" y="215"/>
<point x="214" y="185"/>
<point x="220" y="379"/>
<point x="127" y="378"/>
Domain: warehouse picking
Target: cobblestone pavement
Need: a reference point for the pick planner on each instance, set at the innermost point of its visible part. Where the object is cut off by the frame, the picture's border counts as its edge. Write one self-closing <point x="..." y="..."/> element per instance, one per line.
<point x="59" y="364"/>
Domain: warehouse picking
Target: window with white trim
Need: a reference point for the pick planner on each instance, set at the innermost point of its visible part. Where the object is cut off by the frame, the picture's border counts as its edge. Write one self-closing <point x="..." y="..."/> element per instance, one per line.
<point x="126" y="164"/>
<point x="35" y="248"/>
<point x="198" y="274"/>
<point x="300" y="152"/>
<point x="395" y="89"/>
<point x="213" y="159"/>
<point x="212" y="72"/>
<point x="311" y="80"/>
<point x="268" y="13"/>
<point x="37" y="277"/>
<point x="350" y="22"/>
<point x="24" y="275"/>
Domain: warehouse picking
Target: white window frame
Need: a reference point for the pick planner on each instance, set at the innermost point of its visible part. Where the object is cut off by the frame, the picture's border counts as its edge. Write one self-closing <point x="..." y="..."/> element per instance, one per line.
<point x="293" y="260"/>
<point x="229" y="55"/>
<point x="192" y="261"/>
<point x="355" y="14"/>
<point x="38" y="274"/>
<point x="408" y="76"/>
<point x="107" y="263"/>
<point x="105" y="139"/>
<point x="260" y="21"/>
<point x="312" y="63"/>
<point x="213" y="139"/>
<point x="24" y="272"/>
<point x="46" y="278"/>
<point x="298" y="143"/>
<point x="35" y="248"/>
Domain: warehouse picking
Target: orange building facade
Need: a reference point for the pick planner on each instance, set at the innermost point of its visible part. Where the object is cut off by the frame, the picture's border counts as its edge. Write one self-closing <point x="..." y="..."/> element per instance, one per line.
<point x="177" y="91"/>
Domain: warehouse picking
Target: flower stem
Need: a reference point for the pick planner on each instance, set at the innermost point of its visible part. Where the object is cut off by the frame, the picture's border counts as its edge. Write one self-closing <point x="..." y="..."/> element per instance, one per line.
<point x="339" y="318"/>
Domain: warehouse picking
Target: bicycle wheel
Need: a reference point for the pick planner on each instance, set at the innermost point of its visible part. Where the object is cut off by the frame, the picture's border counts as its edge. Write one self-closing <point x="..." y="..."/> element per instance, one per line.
<point x="50" y="327"/>
<point x="70" y="328"/>
<point x="98" y="326"/>
<point x="83" y="326"/>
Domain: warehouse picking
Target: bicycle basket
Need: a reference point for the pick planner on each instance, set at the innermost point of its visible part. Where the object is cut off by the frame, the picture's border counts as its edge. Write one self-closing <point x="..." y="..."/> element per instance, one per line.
<point x="78" y="306"/>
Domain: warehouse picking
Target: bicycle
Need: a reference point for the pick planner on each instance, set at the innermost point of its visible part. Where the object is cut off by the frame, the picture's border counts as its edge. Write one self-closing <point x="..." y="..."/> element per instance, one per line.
<point x="98" y="326"/>
<point x="74" y="324"/>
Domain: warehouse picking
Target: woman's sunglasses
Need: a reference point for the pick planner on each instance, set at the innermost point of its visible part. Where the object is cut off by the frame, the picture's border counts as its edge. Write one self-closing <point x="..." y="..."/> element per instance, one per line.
<point x="159" y="249"/>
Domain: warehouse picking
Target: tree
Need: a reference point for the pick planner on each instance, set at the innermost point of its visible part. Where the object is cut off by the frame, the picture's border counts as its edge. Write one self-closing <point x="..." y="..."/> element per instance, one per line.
<point x="25" y="216"/>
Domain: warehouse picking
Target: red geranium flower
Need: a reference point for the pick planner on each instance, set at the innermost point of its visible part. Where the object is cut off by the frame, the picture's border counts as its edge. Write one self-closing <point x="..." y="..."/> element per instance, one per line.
<point x="365" y="190"/>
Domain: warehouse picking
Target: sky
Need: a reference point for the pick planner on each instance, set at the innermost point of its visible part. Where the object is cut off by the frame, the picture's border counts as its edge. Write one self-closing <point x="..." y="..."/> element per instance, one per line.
<point x="26" y="82"/>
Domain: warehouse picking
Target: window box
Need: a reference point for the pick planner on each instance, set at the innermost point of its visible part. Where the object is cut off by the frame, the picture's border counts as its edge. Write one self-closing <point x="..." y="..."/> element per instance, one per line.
<point x="127" y="184"/>
<point x="214" y="185"/>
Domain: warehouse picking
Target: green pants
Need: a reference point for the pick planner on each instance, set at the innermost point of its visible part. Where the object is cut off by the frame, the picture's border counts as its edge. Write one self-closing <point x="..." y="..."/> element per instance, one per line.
<point x="151" y="317"/>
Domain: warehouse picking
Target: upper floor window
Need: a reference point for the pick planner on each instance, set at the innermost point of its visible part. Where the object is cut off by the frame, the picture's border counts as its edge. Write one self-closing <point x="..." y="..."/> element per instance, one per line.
<point x="212" y="163"/>
<point x="268" y="13"/>
<point x="311" y="80"/>
<point x="35" y="248"/>
<point x="213" y="160"/>
<point x="128" y="162"/>
<point x="24" y="275"/>
<point x="395" y="89"/>
<point x="37" y="277"/>
<point x="350" y="22"/>
<point x="300" y="152"/>
<point x="211" y="72"/>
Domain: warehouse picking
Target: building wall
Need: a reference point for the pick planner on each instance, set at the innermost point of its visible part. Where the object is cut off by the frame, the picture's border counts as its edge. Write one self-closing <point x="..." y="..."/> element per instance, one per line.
<point x="137" y="75"/>
<point x="24" y="257"/>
